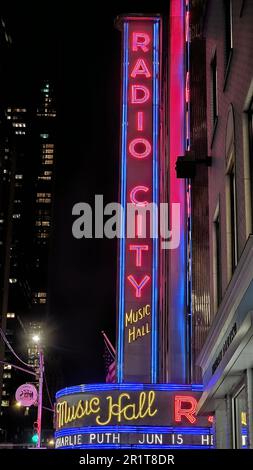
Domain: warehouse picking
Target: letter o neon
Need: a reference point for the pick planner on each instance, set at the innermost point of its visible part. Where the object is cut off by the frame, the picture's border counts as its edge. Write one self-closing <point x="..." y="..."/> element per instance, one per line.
<point x="144" y="154"/>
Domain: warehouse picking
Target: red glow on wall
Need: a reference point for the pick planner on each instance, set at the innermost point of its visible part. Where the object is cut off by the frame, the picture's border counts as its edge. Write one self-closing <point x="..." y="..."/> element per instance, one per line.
<point x="139" y="94"/>
<point x="140" y="41"/>
<point x="185" y="406"/>
<point x="138" y="249"/>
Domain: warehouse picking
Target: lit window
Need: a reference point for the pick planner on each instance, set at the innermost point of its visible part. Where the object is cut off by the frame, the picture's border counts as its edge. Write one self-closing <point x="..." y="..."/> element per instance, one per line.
<point x="13" y="280"/>
<point x="7" y="375"/>
<point x="44" y="136"/>
<point x="10" y="315"/>
<point x="43" y="194"/>
<point x="240" y="422"/>
<point x="5" y="403"/>
<point x="41" y="294"/>
<point x="42" y="235"/>
<point x="250" y="140"/>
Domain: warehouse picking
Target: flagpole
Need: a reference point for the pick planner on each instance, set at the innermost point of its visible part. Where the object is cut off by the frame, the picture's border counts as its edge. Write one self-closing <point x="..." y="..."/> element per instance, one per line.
<point x="108" y="342"/>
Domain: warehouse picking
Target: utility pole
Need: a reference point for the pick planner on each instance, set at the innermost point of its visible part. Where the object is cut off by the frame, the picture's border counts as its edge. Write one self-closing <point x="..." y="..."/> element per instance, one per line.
<point x="40" y="396"/>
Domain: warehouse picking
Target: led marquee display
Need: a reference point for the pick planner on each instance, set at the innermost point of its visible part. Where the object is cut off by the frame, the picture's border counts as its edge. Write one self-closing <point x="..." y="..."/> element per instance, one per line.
<point x="131" y="415"/>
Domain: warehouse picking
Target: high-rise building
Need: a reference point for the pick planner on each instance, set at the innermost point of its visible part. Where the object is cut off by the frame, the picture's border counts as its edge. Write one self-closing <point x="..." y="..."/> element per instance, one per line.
<point x="27" y="170"/>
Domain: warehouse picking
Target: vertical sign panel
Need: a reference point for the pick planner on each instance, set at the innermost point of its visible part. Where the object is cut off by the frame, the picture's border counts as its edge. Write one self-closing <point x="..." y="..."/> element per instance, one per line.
<point x="138" y="254"/>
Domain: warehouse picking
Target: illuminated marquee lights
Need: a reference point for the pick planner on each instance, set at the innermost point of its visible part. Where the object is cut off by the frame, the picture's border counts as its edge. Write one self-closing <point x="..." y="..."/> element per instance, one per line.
<point x="130" y="386"/>
<point x="139" y="186"/>
<point x="163" y="414"/>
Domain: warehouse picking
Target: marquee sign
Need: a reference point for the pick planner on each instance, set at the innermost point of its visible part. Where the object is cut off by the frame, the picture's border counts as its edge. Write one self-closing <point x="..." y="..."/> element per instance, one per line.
<point x="138" y="255"/>
<point x="133" y="415"/>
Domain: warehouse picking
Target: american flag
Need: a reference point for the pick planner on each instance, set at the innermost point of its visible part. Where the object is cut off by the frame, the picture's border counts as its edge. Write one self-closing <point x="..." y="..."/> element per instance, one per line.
<point x="110" y="363"/>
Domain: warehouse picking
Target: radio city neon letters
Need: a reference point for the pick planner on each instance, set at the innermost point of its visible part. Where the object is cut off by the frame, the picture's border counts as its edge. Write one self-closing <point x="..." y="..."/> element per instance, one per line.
<point x="138" y="286"/>
<point x="141" y="41"/>
<point x="140" y="68"/>
<point x="133" y="197"/>
<point x="144" y="143"/>
<point x="138" y="249"/>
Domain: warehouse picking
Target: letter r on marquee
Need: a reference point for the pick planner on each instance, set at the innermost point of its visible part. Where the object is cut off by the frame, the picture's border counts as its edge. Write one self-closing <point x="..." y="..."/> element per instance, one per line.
<point x="182" y="408"/>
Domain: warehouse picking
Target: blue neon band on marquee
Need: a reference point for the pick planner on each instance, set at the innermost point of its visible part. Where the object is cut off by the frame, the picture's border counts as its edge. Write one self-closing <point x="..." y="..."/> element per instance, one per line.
<point x="134" y="430"/>
<point x="123" y="215"/>
<point x="129" y="387"/>
<point x="154" y="338"/>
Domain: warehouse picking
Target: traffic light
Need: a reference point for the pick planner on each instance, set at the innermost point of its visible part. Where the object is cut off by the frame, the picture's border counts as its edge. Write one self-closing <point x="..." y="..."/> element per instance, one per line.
<point x="35" y="436"/>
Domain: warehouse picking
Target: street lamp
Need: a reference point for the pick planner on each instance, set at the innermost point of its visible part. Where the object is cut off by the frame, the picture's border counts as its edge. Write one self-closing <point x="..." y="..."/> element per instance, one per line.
<point x="36" y="339"/>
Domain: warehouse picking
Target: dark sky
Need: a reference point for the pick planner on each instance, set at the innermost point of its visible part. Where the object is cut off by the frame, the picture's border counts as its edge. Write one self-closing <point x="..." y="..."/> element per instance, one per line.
<point x="77" y="46"/>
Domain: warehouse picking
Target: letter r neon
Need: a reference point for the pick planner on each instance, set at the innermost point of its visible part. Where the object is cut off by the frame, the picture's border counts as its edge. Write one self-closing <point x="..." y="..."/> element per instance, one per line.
<point x="186" y="411"/>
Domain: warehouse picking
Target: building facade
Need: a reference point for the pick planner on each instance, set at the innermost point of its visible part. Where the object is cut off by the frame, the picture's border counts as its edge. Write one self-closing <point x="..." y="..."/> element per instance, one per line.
<point x="226" y="358"/>
<point x="27" y="171"/>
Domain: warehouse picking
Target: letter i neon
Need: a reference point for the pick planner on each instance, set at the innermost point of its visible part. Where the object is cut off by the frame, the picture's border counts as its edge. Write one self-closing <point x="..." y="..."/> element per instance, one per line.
<point x="140" y="121"/>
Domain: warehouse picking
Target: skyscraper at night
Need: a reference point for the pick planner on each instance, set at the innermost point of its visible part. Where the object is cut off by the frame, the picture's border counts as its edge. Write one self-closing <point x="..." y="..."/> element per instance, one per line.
<point x="27" y="172"/>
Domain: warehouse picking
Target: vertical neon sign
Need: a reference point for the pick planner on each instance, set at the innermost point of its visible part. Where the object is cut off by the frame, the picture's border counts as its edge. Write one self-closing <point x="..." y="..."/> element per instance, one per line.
<point x="138" y="256"/>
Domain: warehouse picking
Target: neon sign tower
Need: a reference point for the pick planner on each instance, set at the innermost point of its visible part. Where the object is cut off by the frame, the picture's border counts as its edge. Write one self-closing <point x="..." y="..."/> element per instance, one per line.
<point x="151" y="283"/>
<point x="151" y="405"/>
<point x="138" y="256"/>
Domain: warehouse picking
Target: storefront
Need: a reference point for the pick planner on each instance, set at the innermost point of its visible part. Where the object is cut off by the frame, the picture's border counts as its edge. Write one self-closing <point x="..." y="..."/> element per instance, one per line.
<point x="227" y="361"/>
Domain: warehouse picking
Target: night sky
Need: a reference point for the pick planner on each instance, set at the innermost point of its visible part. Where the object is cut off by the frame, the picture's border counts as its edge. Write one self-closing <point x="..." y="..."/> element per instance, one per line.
<point x="77" y="46"/>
